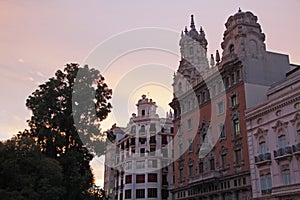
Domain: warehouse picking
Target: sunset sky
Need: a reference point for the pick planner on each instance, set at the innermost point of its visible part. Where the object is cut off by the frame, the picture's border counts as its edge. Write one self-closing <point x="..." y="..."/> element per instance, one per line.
<point x="39" y="37"/>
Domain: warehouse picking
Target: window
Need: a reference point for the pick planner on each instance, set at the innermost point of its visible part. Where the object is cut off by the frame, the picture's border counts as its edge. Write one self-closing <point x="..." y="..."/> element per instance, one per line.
<point x="238" y="157"/>
<point x="189" y="124"/>
<point x="152" y="192"/>
<point x="180" y="175"/>
<point x="224" y="160"/>
<point x="201" y="167"/>
<point x="142" y="130"/>
<point x="128" y="165"/>
<point x="140" y="193"/>
<point x="282" y="141"/>
<point x="266" y="183"/>
<point x="297" y="105"/>
<point x="143" y="112"/>
<point x="191" y="168"/>
<point x="128" y="179"/>
<point x="140" y="164"/>
<point x="298" y="135"/>
<point x="262" y="147"/>
<point x="152" y="140"/>
<point x="164" y="139"/>
<point x="142" y="152"/>
<point x="140" y="178"/>
<point x="152" y="127"/>
<point x="286" y="177"/>
<point x="212" y="164"/>
<point x="133" y="129"/>
<point x="190" y="145"/>
<point x="152" y="163"/>
<point x="231" y="49"/>
<point x="152" y="177"/>
<point x="236" y="127"/>
<point x="234" y="100"/>
<point x="221" y="130"/>
<point x="220" y="107"/>
<point x="127" y="194"/>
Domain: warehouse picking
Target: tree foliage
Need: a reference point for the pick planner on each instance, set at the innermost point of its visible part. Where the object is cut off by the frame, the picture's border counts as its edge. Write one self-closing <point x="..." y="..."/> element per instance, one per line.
<point x="64" y="126"/>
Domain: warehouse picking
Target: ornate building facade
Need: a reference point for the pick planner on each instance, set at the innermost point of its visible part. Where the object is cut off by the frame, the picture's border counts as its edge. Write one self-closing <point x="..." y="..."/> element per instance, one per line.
<point x="210" y="99"/>
<point x="142" y="153"/>
<point x="274" y="141"/>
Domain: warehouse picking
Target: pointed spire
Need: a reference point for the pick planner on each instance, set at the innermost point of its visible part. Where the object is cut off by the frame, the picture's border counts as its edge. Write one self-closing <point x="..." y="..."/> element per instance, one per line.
<point x="218" y="56"/>
<point x="201" y="29"/>
<point x="181" y="33"/>
<point x="185" y="30"/>
<point x="192" y="22"/>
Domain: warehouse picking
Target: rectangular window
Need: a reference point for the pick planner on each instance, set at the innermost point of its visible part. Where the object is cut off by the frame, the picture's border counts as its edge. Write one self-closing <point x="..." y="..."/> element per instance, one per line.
<point x="180" y="149"/>
<point x="191" y="170"/>
<point x="282" y="141"/>
<point x="266" y="183"/>
<point x="262" y="147"/>
<point x="152" y="163"/>
<point x="220" y="107"/>
<point x="128" y="179"/>
<point x="152" y="127"/>
<point x="127" y="194"/>
<point x="221" y="130"/>
<point x="238" y="156"/>
<point x="224" y="160"/>
<point x="180" y="175"/>
<point x="152" y="192"/>
<point x="234" y="100"/>
<point x="140" y="178"/>
<point x="140" y="193"/>
<point x="152" y="177"/>
<point x="286" y="177"/>
<point x="212" y="164"/>
<point x="201" y="167"/>
<point x="236" y="127"/>
<point x="164" y="140"/>
<point x="140" y="164"/>
<point x="298" y="135"/>
<point x="142" y="152"/>
<point x="133" y="130"/>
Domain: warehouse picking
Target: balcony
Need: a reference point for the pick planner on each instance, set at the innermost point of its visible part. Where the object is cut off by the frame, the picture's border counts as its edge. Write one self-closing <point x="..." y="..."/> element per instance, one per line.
<point x="266" y="191"/>
<point x="213" y="174"/>
<point x="296" y="149"/>
<point x="283" y="153"/>
<point x="263" y="159"/>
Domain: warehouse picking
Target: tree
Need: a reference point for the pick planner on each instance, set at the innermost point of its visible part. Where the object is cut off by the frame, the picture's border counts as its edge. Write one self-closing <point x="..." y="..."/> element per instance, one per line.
<point x="26" y="174"/>
<point x="66" y="112"/>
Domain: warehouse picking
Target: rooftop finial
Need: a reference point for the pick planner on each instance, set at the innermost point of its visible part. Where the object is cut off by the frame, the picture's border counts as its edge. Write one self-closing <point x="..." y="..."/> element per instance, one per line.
<point x="185" y="30"/>
<point x="240" y="10"/>
<point x="201" y="29"/>
<point x="192" y="22"/>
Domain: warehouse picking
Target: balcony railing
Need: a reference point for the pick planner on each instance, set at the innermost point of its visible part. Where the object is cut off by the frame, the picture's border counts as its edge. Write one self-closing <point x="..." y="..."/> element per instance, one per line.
<point x="296" y="148"/>
<point x="266" y="191"/>
<point x="214" y="174"/>
<point x="283" y="153"/>
<point x="264" y="158"/>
